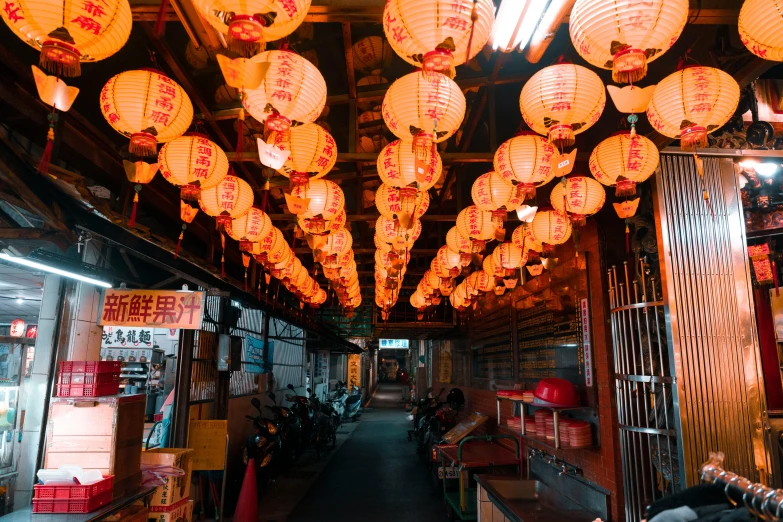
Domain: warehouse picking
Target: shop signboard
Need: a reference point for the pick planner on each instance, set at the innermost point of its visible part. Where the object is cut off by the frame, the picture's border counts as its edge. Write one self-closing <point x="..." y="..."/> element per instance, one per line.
<point x="32" y="331"/>
<point x="355" y="370"/>
<point x="444" y="359"/>
<point x="120" y="337"/>
<point x="586" y="345"/>
<point x="393" y="344"/>
<point x="323" y="364"/>
<point x="152" y="308"/>
<point x="253" y="361"/>
<point x="208" y="440"/>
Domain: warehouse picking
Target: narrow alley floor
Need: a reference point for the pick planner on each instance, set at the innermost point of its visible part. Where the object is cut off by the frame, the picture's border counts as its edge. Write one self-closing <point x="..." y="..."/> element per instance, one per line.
<point x="375" y="474"/>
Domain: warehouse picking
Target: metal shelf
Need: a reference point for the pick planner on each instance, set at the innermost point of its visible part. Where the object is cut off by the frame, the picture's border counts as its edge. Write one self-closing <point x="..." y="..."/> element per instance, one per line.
<point x="555" y="413"/>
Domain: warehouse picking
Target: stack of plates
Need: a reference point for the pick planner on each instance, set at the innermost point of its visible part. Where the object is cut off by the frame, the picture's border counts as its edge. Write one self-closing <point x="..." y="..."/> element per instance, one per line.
<point x="514" y="423"/>
<point x="541" y="416"/>
<point x="565" y="433"/>
<point x="530" y="425"/>
<point x="580" y="434"/>
<point x="528" y="397"/>
<point x="550" y="428"/>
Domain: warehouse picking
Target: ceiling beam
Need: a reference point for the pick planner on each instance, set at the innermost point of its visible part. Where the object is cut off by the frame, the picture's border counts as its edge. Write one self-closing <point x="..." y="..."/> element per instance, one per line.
<point x="372" y="157"/>
<point x="512" y="217"/>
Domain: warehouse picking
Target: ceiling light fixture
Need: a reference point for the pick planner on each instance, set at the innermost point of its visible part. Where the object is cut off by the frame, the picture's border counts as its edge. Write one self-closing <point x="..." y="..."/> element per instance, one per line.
<point x="19" y="300"/>
<point x="53" y="270"/>
<point x="766" y="169"/>
<point x="516" y="21"/>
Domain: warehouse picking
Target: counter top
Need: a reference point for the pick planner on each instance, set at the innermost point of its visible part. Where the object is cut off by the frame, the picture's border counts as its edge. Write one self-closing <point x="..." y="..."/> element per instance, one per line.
<point x="479" y="454"/>
<point x="523" y="500"/>
<point x="26" y="514"/>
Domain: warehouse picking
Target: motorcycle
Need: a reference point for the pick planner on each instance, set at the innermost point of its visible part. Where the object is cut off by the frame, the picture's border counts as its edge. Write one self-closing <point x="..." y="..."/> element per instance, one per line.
<point x="301" y="408"/>
<point x="290" y="429"/>
<point x="264" y="443"/>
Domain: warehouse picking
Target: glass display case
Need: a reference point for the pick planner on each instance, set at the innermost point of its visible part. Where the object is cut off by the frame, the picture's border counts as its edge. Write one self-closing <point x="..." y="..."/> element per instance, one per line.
<point x="13" y="374"/>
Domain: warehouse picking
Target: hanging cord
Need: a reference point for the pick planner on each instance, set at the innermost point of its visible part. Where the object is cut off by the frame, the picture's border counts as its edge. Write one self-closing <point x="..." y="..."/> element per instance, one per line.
<point x="473" y="19"/>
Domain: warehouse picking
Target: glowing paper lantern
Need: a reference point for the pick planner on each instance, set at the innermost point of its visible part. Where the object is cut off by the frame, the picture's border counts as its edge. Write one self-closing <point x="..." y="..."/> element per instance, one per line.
<point x="579" y="196"/>
<point x="17" y="328"/>
<point x="251" y="21"/>
<point x="293" y="91"/>
<point x="562" y="100"/>
<point x="457" y="242"/>
<point x="490" y="266"/>
<point x="444" y="272"/>
<point x="622" y="161"/>
<point x="68" y="33"/>
<point x="389" y="231"/>
<point x="509" y="257"/>
<point x="481" y="281"/>
<point x="391" y="203"/>
<point x="313" y="152"/>
<point x="523" y="238"/>
<point x="624" y="38"/>
<point x="692" y="102"/>
<point x="320" y="227"/>
<point x="448" y="261"/>
<point x="551" y="228"/>
<point x="398" y="167"/>
<point x="438" y="35"/>
<point x="192" y="162"/>
<point x="326" y="201"/>
<point x="426" y="111"/>
<point x="250" y="228"/>
<point x="147" y="107"/>
<point x="477" y="225"/>
<point x="525" y="160"/>
<point x="337" y="243"/>
<point x="758" y="29"/>
<point x="371" y="53"/>
<point x="492" y="193"/>
<point x="227" y="200"/>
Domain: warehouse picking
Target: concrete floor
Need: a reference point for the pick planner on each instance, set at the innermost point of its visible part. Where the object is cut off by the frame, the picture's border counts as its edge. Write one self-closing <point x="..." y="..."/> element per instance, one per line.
<point x="376" y="474"/>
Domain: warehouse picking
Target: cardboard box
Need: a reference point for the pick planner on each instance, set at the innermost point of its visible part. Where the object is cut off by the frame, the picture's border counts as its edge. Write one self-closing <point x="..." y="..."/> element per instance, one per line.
<point x="181" y="513"/>
<point x="176" y="488"/>
<point x="103" y="433"/>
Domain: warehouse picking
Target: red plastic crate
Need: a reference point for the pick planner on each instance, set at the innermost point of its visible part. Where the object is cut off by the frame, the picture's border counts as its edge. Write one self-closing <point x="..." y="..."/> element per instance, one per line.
<point x="89" y="378"/>
<point x="87" y="390"/>
<point x="78" y="505"/>
<point x="75" y="491"/>
<point x="90" y="366"/>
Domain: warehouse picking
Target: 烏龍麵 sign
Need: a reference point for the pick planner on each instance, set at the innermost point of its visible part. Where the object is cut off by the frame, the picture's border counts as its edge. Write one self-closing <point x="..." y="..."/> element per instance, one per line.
<point x="156" y="308"/>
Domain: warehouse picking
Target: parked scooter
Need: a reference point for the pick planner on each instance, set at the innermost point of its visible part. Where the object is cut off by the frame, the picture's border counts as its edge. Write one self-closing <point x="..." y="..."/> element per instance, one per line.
<point x="264" y="445"/>
<point x="443" y="419"/>
<point x="353" y="405"/>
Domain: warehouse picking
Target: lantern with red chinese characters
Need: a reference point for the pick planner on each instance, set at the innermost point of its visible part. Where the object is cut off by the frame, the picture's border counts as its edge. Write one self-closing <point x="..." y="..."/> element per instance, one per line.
<point x="462" y="245"/>
<point x="448" y="260"/>
<point x="390" y="232"/>
<point x="313" y="152"/>
<point x="326" y="201"/>
<point x="579" y="197"/>
<point x="426" y="112"/>
<point x="438" y="35"/>
<point x="372" y="53"/>
<point x="250" y="228"/>
<point x="292" y="92"/>
<point x="147" y="107"/>
<point x="231" y="198"/>
<point x="477" y="225"/>
<point x="758" y="30"/>
<point x="625" y="37"/>
<point x="562" y="100"/>
<point x="508" y="257"/>
<point x="623" y="161"/>
<point x="551" y="228"/>
<point x="192" y="162"/>
<point x="254" y="21"/>
<point x="399" y="168"/>
<point x="692" y="102"/>
<point x="338" y="243"/>
<point x="490" y="266"/>
<point x="480" y="281"/>
<point x="437" y="267"/>
<point x="17" y="328"/>
<point x="525" y="161"/>
<point x="493" y="193"/>
<point x="392" y="205"/>
<point x="523" y="238"/>
<point x="270" y="247"/>
<point x="70" y="33"/>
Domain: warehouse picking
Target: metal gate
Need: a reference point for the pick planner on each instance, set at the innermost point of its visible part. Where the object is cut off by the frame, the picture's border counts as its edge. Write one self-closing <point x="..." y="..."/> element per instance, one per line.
<point x="645" y="404"/>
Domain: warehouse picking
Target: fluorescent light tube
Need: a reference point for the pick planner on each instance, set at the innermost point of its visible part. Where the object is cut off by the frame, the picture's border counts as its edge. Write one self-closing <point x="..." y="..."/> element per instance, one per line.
<point x="53" y="270"/>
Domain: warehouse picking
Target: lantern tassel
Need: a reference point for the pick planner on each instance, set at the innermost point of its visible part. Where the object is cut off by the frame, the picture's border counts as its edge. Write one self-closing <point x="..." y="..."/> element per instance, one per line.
<point x="473" y="20"/>
<point x="627" y="238"/>
<point x="132" y="220"/>
<point x="160" y="23"/>
<point x="46" y="157"/>
<point x="179" y="241"/>
<point x="223" y="255"/>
